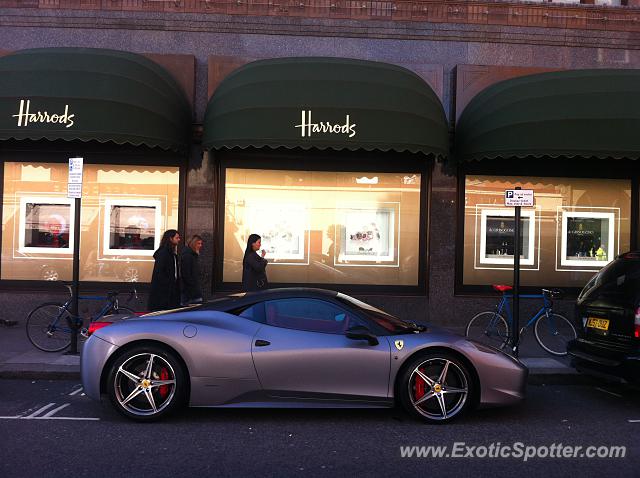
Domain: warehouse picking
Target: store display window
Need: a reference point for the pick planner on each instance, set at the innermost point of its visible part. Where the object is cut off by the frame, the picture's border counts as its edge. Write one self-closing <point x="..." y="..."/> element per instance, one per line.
<point x="325" y="227"/>
<point x="125" y="210"/>
<point x="576" y="227"/>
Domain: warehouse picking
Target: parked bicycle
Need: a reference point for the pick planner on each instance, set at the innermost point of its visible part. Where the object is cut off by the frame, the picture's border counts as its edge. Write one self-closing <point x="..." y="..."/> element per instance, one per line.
<point x="50" y="325"/>
<point x="552" y="330"/>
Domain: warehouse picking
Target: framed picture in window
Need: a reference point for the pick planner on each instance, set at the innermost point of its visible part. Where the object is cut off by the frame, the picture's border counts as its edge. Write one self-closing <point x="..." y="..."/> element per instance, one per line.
<point x="284" y="229"/>
<point x="367" y="235"/>
<point x="587" y="238"/>
<point x="46" y="225"/>
<point x="497" y="236"/>
<point x="132" y="227"/>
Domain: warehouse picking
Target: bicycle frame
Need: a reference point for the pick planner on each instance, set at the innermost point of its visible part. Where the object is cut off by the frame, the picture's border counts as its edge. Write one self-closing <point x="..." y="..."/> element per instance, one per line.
<point x="546" y="308"/>
<point x="111" y="302"/>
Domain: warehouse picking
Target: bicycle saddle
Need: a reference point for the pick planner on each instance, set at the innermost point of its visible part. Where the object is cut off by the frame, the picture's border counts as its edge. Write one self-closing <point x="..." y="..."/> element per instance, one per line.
<point x="502" y="288"/>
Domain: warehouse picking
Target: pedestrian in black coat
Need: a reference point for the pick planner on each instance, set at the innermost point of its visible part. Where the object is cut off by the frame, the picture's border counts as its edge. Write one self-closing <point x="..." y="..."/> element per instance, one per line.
<point x="165" y="280"/>
<point x="254" y="275"/>
<point x="190" y="269"/>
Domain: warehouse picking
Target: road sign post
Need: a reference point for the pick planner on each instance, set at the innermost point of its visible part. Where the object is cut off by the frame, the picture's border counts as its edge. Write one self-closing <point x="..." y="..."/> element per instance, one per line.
<point x="74" y="190"/>
<point x="517" y="198"/>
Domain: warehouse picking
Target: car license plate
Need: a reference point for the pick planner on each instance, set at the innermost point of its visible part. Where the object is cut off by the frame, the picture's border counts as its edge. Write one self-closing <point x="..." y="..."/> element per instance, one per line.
<point x="600" y="324"/>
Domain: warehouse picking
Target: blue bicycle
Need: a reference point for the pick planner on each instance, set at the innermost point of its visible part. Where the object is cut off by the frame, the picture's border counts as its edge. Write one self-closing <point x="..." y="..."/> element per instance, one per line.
<point x="50" y="325"/>
<point x="552" y="331"/>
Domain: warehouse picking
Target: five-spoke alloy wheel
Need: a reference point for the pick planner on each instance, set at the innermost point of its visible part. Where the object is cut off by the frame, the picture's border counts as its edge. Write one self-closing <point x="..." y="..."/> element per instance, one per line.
<point x="146" y="382"/>
<point x="436" y="387"/>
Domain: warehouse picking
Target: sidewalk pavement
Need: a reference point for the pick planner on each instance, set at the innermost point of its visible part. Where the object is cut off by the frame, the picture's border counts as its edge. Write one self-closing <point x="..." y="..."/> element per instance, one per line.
<point x="20" y="359"/>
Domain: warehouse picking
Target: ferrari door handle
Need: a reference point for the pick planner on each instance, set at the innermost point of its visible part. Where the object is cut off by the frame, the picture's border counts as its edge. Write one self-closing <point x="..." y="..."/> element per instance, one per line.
<point x="262" y="343"/>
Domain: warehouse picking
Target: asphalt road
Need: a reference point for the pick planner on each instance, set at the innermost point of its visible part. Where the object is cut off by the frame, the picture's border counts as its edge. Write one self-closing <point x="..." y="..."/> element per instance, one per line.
<point x="84" y="438"/>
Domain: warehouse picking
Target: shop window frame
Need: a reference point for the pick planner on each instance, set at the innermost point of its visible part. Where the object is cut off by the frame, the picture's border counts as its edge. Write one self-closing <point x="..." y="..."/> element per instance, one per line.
<point x="539" y="167"/>
<point x="325" y="161"/>
<point x="59" y="152"/>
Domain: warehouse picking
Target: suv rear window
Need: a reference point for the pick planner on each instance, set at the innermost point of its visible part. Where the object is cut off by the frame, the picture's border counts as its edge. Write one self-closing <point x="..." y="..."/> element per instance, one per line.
<point x="618" y="280"/>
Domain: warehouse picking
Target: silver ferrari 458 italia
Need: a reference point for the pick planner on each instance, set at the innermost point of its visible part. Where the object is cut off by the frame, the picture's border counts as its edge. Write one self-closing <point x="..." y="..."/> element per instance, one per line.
<point x="292" y="348"/>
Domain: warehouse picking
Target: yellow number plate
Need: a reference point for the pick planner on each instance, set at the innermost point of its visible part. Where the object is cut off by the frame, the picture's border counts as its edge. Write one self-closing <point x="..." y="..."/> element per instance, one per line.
<point x="602" y="324"/>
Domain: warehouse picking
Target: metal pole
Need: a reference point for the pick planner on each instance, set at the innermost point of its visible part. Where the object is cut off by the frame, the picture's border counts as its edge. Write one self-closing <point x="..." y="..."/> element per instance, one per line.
<point x="515" y="323"/>
<point x="76" y="278"/>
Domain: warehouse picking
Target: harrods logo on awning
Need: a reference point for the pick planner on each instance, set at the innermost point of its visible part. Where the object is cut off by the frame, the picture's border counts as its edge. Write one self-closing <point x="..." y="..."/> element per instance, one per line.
<point x="307" y="127"/>
<point x="25" y="116"/>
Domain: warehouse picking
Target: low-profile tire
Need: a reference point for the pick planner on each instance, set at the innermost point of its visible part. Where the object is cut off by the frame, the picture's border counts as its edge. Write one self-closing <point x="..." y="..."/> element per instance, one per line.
<point x="147" y="393"/>
<point x="428" y="394"/>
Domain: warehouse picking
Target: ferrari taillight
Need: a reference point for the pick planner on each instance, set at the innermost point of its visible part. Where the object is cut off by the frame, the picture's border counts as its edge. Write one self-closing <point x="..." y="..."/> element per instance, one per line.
<point x="96" y="326"/>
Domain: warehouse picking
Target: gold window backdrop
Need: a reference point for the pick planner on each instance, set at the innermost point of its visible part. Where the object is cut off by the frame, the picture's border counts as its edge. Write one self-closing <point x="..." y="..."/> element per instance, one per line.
<point x="125" y="210"/>
<point x="325" y="227"/>
<point x="576" y="227"/>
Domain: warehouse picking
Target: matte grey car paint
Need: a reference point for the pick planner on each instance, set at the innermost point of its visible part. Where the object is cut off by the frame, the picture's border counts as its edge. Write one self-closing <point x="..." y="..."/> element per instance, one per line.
<point x="298" y="368"/>
<point x="314" y="362"/>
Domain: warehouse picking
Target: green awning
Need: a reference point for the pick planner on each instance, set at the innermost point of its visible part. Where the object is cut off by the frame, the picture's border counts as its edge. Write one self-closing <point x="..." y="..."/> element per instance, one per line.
<point x="91" y="95"/>
<point x="326" y="103"/>
<point x="582" y="113"/>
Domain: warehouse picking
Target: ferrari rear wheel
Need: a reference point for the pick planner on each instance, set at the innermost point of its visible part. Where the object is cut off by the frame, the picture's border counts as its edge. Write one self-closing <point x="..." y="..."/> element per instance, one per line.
<point x="436" y="387"/>
<point x="146" y="383"/>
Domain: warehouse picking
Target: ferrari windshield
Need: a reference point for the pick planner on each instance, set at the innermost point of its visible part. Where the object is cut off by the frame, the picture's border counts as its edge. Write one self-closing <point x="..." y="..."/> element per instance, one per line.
<point x="388" y="322"/>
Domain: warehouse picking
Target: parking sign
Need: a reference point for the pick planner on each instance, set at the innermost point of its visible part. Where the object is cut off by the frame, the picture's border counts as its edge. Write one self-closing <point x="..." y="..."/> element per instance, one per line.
<point x="518" y="197"/>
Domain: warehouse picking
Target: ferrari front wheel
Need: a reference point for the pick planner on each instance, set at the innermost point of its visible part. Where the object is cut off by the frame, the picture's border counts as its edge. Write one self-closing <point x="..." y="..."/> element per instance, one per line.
<point x="436" y="387"/>
<point x="146" y="383"/>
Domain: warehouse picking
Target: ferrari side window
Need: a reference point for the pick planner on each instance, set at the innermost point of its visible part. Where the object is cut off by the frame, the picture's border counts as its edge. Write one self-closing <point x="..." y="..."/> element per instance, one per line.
<point x="312" y="315"/>
<point x="254" y="312"/>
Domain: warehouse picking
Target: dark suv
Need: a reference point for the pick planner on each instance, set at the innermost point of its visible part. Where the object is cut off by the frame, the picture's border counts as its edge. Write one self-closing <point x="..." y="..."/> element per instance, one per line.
<point x="608" y="322"/>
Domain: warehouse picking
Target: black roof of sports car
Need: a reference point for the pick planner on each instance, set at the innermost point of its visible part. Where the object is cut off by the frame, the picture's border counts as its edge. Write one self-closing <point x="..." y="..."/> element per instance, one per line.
<point x="233" y="301"/>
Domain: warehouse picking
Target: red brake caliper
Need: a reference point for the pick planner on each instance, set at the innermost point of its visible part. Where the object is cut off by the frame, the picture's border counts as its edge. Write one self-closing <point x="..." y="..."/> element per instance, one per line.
<point x="164" y="389"/>
<point x="419" y="387"/>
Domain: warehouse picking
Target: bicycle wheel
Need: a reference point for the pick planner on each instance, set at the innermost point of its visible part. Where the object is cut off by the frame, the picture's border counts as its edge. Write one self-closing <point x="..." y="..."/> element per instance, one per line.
<point x="489" y="328"/>
<point x="48" y="327"/>
<point x="554" y="332"/>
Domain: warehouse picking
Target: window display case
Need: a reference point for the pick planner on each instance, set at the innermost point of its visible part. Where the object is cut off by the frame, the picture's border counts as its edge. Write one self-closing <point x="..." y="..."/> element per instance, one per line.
<point x="497" y="236"/>
<point x="587" y="238"/>
<point x="46" y="225"/>
<point x="367" y="235"/>
<point x="284" y="231"/>
<point x="132" y="226"/>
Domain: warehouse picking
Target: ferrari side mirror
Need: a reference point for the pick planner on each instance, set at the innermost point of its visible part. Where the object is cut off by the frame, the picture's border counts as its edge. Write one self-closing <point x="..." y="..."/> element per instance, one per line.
<point x="360" y="332"/>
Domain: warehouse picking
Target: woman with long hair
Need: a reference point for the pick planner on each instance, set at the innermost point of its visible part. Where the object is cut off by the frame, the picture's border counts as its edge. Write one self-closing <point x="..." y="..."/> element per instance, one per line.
<point x="190" y="270"/>
<point x="254" y="275"/>
<point x="165" y="280"/>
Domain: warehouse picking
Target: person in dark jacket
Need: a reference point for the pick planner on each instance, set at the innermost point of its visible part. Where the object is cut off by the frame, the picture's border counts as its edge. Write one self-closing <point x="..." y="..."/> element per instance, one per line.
<point x="165" y="280"/>
<point x="254" y="275"/>
<point x="190" y="269"/>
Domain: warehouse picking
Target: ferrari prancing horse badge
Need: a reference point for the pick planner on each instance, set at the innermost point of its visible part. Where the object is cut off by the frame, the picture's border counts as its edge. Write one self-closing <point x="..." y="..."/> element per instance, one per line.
<point x="399" y="344"/>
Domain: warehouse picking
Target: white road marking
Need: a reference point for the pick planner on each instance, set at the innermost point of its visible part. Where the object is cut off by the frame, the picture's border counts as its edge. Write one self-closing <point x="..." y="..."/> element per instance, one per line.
<point x="41" y="410"/>
<point x="633" y="421"/>
<point x="76" y="392"/>
<point x="610" y="393"/>
<point x="54" y="411"/>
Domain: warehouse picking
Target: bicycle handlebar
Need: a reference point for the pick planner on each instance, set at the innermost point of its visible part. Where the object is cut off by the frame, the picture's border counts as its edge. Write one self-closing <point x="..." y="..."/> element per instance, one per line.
<point x="110" y="295"/>
<point x="552" y="293"/>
